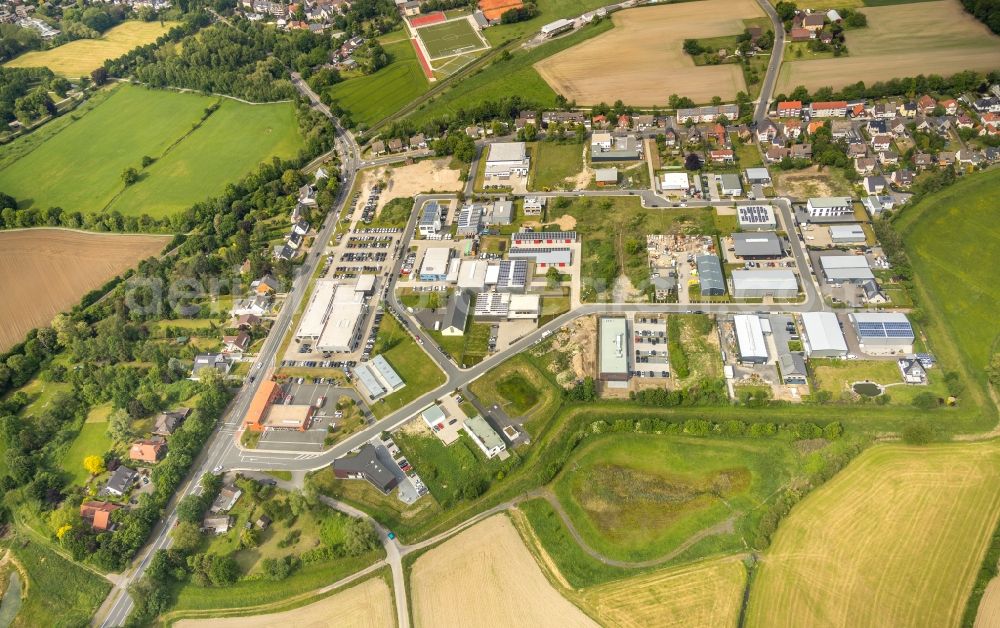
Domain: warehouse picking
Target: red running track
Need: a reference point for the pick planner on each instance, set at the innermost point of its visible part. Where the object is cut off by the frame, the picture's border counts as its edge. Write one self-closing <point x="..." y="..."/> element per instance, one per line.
<point x="430" y="18"/>
<point x="423" y="60"/>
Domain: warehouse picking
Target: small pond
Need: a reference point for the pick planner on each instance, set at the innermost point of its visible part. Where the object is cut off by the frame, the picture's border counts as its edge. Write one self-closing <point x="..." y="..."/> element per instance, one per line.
<point x="11" y="602"/>
<point x="867" y="389"/>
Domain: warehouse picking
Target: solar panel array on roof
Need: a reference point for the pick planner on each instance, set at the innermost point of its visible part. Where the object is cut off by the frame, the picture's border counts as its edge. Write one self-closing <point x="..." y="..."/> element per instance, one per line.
<point x="755" y="215"/>
<point x="885" y="330"/>
<point x="513" y="274"/>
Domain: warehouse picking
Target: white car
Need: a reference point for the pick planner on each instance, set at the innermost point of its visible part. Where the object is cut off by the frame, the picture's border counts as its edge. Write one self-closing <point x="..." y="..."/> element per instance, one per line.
<point x="217" y="469"/>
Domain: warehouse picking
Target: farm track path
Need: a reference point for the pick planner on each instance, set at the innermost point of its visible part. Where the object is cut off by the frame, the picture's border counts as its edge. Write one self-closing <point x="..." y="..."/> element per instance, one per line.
<point x="724" y="527"/>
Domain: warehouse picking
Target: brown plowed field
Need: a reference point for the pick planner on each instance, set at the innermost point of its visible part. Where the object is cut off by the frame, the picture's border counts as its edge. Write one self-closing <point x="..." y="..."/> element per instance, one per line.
<point x="901" y="40"/>
<point x="46" y="271"/>
<point x="641" y="60"/>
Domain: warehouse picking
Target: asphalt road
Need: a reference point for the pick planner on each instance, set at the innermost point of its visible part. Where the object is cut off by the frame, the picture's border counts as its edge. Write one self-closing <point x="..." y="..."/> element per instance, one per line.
<point x="222" y="448"/>
<point x="219" y="446"/>
<point x="777" y="52"/>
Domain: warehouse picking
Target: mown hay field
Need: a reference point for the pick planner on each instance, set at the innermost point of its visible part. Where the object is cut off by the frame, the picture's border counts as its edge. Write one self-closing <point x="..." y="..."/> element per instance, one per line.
<point x="46" y="271"/>
<point x="901" y="40"/>
<point x="82" y="56"/>
<point x="135" y="122"/>
<point x="485" y="576"/>
<point x="702" y="594"/>
<point x="641" y="60"/>
<point x="896" y="539"/>
<point x="366" y="605"/>
<point x="368" y="99"/>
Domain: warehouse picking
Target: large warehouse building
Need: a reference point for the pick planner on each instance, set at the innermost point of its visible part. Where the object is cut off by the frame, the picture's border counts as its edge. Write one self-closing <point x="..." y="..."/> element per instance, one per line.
<point x="883" y="333"/>
<point x="343" y="325"/>
<point x="435" y="264"/>
<point x="710" y="275"/>
<point x="314" y="318"/>
<point x="507" y="159"/>
<point x="762" y="245"/>
<point x="614" y="350"/>
<point x="822" y="335"/>
<point x="753" y="284"/>
<point x="750" y="338"/>
<point x="845" y="268"/>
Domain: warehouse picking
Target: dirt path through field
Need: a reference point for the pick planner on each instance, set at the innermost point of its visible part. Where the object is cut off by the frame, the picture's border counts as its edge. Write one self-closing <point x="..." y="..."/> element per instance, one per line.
<point x="47" y="271"/>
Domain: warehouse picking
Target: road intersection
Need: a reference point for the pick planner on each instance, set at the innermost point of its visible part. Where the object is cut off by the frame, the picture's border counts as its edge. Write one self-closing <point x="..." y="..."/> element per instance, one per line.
<point x="223" y="449"/>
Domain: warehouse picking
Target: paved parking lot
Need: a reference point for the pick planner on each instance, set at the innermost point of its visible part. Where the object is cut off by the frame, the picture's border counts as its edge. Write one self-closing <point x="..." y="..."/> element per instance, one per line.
<point x="312" y="439"/>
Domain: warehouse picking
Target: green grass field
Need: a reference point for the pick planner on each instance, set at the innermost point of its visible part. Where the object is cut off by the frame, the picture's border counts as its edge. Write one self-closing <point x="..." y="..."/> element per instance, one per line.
<point x="445" y="469"/>
<point x="555" y="165"/>
<point x="520" y="388"/>
<point x="371" y="98"/>
<point x="578" y="567"/>
<point x="59" y="593"/>
<point x="93" y="440"/>
<point x="80" y="57"/>
<point x="135" y="122"/>
<point x="895" y="539"/>
<point x="448" y="38"/>
<point x="500" y="79"/>
<point x="952" y="239"/>
<point x="549" y="11"/>
<point x="413" y="365"/>
<point x="636" y="497"/>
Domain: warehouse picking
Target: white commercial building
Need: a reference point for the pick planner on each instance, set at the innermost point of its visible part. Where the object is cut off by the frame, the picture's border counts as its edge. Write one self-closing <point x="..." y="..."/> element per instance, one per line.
<point x="847" y="234"/>
<point x="472" y="274"/>
<point x="751" y="284"/>
<point x="750" y="338"/>
<point x="830" y="207"/>
<point x="314" y="318"/>
<point x="554" y="28"/>
<point x="484" y="436"/>
<point x="343" y="325"/>
<point x="883" y="333"/>
<point x="524" y="306"/>
<point x="507" y="159"/>
<point x="849" y="268"/>
<point x="822" y="335"/>
<point x="435" y="264"/>
<point x="675" y="181"/>
<point x="756" y="217"/>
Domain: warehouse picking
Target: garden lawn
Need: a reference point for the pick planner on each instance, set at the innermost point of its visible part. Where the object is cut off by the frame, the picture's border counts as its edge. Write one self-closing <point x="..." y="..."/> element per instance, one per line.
<point x="555" y="163"/>
<point x="418" y="371"/>
<point x="637" y="497"/>
<point x="82" y="56"/>
<point x="135" y="122"/>
<point x="368" y="99"/>
<point x="93" y="440"/>
<point x="59" y="592"/>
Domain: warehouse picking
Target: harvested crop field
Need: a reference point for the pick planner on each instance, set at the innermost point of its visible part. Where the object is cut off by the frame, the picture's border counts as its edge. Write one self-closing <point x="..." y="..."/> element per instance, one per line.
<point x="989" y="606"/>
<point x="82" y="56"/>
<point x="895" y="539"/>
<point x="641" y="60"/>
<point x="46" y="271"/>
<point x="704" y="594"/>
<point x="901" y="40"/>
<point x="367" y="605"/>
<point x="482" y="575"/>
